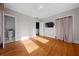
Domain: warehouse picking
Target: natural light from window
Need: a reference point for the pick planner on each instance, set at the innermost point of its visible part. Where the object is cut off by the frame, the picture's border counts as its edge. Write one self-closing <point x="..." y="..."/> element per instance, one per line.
<point x="42" y="40"/>
<point x="30" y="45"/>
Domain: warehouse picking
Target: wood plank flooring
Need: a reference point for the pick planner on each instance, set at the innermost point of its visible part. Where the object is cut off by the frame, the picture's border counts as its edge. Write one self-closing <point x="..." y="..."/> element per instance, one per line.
<point x="40" y="46"/>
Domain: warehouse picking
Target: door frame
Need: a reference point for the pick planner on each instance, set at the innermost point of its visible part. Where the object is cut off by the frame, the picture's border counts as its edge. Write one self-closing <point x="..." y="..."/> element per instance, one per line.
<point x="72" y="25"/>
<point x="4" y="25"/>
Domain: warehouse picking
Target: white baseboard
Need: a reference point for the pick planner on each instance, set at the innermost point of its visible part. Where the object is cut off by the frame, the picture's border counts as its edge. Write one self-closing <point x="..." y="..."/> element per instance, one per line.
<point x="23" y="38"/>
<point x="16" y="39"/>
<point x="77" y="42"/>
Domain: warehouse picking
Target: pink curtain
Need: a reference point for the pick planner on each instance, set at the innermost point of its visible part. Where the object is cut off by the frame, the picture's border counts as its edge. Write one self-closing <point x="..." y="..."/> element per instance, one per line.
<point x="59" y="30"/>
<point x="64" y="28"/>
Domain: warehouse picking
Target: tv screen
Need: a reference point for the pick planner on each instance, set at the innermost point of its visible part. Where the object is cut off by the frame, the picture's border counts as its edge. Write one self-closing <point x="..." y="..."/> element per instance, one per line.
<point x="49" y="24"/>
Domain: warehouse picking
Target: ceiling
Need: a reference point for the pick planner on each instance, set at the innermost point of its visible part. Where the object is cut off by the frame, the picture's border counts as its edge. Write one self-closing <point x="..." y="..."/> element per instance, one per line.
<point x="40" y="10"/>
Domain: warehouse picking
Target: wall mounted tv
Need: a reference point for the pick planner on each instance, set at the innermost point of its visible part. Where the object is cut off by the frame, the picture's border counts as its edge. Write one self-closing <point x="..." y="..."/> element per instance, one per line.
<point x="49" y="24"/>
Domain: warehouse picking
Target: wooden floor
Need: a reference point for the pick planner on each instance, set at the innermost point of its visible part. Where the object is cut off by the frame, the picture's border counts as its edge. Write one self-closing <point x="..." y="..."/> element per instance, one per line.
<point x="40" y="46"/>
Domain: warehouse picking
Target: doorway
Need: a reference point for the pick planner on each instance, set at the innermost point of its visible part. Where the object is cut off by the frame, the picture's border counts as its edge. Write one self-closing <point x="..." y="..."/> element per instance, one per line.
<point x="37" y="28"/>
<point x="9" y="24"/>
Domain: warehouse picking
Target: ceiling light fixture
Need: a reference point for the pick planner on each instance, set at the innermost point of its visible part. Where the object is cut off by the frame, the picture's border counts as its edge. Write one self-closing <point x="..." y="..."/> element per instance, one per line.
<point x="40" y="6"/>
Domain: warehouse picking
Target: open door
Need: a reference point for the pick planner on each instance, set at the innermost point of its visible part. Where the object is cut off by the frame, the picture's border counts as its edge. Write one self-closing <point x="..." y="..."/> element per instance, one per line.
<point x="37" y="28"/>
<point x="1" y="26"/>
<point x="9" y="28"/>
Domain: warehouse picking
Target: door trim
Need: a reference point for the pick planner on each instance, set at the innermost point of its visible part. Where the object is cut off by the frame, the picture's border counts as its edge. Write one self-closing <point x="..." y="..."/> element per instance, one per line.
<point x="4" y="26"/>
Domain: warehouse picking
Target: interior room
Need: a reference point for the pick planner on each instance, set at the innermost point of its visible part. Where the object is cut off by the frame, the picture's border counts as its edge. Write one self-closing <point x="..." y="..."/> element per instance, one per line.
<point x="39" y="29"/>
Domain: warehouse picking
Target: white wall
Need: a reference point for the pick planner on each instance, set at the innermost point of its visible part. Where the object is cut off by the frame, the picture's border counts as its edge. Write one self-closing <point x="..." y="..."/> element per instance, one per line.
<point x="75" y="14"/>
<point x="50" y="32"/>
<point x="24" y="25"/>
<point x="41" y="32"/>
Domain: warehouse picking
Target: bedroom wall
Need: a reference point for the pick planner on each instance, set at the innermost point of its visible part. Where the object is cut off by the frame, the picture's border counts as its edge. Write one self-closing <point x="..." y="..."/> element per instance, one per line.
<point x="74" y="13"/>
<point x="50" y="32"/>
<point x="24" y="25"/>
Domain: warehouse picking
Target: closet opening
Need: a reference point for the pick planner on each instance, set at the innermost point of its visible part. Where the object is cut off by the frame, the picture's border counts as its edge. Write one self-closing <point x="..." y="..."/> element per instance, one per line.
<point x="64" y="28"/>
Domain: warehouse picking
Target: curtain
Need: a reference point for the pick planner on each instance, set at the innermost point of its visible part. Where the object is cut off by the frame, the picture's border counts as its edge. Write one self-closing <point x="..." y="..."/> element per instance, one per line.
<point x="64" y="28"/>
<point x="59" y="30"/>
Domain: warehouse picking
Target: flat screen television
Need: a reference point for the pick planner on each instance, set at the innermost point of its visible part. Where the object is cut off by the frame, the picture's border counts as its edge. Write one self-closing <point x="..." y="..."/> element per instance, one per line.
<point x="49" y="24"/>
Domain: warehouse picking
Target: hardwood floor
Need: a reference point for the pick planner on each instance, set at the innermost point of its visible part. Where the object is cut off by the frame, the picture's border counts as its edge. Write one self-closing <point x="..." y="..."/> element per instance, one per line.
<point x="40" y="46"/>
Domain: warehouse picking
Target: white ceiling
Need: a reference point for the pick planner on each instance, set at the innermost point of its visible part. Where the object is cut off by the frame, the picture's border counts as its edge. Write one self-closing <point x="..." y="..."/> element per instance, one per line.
<point x="41" y="10"/>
